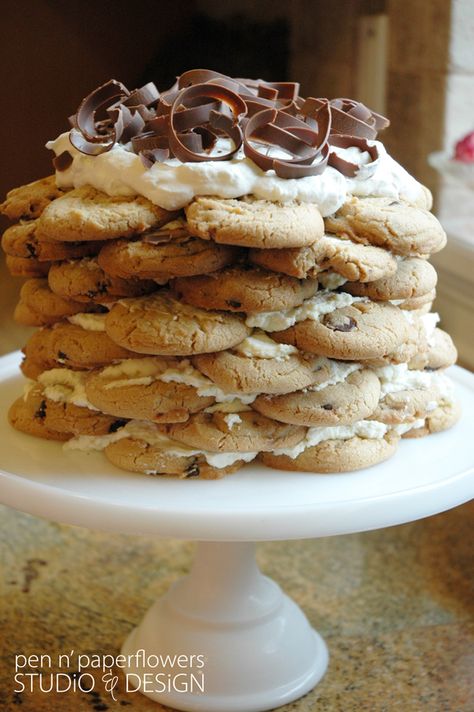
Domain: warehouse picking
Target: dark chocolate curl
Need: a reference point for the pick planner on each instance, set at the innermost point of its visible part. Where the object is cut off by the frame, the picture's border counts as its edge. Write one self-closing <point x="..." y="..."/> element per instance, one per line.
<point x="347" y="168"/>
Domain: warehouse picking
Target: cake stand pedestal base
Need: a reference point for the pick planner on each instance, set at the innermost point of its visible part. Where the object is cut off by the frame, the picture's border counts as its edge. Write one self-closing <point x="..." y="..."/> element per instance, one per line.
<point x="253" y="647"/>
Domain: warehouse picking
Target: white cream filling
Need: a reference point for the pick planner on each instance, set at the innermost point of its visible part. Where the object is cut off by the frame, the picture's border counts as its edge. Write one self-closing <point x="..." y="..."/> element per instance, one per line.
<point x="399" y="377"/>
<point x="331" y="280"/>
<point x="65" y="386"/>
<point x="184" y="372"/>
<point x="89" y="322"/>
<point x="232" y="419"/>
<point x="402" y="428"/>
<point x="338" y="371"/>
<point x="323" y="302"/>
<point x="429" y="322"/>
<point x="260" y="345"/>
<point x="173" y="184"/>
<point x="143" y="430"/>
<point x="370" y="429"/>
<point x="143" y="371"/>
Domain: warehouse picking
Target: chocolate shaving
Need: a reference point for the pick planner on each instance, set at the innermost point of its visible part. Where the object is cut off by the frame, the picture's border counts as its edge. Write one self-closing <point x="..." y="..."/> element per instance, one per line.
<point x="63" y="161"/>
<point x="278" y="129"/>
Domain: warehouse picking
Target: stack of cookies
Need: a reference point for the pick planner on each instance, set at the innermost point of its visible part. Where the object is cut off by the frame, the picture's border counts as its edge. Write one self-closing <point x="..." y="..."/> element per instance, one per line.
<point x="187" y="335"/>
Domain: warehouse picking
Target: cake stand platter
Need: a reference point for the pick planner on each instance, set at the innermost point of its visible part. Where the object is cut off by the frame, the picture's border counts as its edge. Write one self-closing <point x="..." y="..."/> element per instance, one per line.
<point x="256" y="648"/>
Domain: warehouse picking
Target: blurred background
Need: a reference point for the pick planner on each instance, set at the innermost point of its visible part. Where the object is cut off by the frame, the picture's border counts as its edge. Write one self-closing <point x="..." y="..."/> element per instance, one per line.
<point x="412" y="60"/>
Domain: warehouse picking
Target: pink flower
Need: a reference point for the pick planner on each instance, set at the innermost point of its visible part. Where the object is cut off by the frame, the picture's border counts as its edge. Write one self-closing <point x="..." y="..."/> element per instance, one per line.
<point x="464" y="150"/>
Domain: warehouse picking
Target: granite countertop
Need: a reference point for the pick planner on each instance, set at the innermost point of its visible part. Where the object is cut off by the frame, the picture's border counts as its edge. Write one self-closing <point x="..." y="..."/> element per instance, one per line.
<point x="395" y="607"/>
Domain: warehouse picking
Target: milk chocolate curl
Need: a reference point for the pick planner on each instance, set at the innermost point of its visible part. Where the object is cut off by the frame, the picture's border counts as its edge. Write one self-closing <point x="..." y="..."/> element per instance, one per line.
<point x="229" y="125"/>
<point x="306" y="145"/>
<point x="354" y="119"/>
<point x="348" y="168"/>
<point x="95" y="131"/>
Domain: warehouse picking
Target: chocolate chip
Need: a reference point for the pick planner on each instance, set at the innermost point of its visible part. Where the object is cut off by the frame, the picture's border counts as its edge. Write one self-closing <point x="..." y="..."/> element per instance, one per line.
<point x="347" y="323"/>
<point x="41" y="412"/>
<point x="327" y="406"/>
<point x="431" y="368"/>
<point x="62" y="356"/>
<point x="193" y="470"/>
<point x="31" y="249"/>
<point x="100" y="309"/>
<point x="102" y="288"/>
<point x="113" y="427"/>
<point x="233" y="303"/>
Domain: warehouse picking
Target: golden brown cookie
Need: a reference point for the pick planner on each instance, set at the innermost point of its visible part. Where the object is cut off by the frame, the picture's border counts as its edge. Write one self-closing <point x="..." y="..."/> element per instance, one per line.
<point x="246" y="431"/>
<point x="137" y="455"/>
<point x="168" y="251"/>
<point x="250" y="222"/>
<point x="441" y="418"/>
<point x="39" y="306"/>
<point x="21" y="240"/>
<point x="354" y="398"/>
<point x="28" y="201"/>
<point x="161" y="325"/>
<point x="244" y="289"/>
<point x="29" y="417"/>
<point x="413" y="279"/>
<point x="27" y="266"/>
<point x="336" y="455"/>
<point x="70" y="345"/>
<point x="353" y="261"/>
<point x="400" y="227"/>
<point x="363" y="330"/>
<point x="59" y="415"/>
<point x="439" y="353"/>
<point x="234" y="371"/>
<point x="84" y="280"/>
<point x="133" y="389"/>
<point x="87" y="214"/>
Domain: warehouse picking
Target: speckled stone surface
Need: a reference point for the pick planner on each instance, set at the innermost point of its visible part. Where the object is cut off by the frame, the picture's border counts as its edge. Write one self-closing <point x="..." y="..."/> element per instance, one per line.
<point x="395" y="607"/>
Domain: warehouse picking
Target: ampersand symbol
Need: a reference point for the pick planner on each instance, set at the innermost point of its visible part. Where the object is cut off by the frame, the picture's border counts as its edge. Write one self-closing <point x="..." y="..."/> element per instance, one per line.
<point x="110" y="681"/>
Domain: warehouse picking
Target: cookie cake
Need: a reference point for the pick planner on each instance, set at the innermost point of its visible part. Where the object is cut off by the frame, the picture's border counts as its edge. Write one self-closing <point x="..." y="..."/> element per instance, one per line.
<point x="227" y="271"/>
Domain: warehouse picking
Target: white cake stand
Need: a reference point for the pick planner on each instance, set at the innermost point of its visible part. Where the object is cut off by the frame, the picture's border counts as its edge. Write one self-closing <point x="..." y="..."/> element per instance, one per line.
<point x="259" y="649"/>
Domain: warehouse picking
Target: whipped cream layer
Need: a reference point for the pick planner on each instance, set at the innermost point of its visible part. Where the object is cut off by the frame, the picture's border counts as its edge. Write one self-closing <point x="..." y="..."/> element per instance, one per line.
<point x="89" y="322"/>
<point x="398" y="377"/>
<point x="323" y="302"/>
<point x="149" y="433"/>
<point x="143" y="371"/>
<point x="371" y="429"/>
<point x="173" y="184"/>
<point x="63" y="385"/>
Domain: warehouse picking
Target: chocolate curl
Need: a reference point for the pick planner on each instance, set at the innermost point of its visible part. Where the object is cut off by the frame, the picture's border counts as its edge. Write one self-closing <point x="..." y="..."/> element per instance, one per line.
<point x="228" y="124"/>
<point x="353" y="118"/>
<point x="307" y="145"/>
<point x="347" y="168"/>
<point x="88" y="133"/>
<point x="151" y="156"/>
<point x="146" y="96"/>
